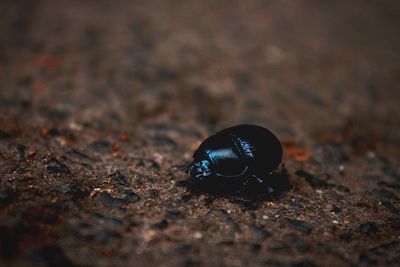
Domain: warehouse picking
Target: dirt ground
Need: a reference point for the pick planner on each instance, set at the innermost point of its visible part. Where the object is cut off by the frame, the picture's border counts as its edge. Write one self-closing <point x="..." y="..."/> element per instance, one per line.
<point x="102" y="104"/>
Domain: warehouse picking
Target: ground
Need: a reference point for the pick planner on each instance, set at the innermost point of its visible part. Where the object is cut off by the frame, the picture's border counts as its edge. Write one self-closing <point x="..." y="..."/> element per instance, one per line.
<point x="102" y="104"/>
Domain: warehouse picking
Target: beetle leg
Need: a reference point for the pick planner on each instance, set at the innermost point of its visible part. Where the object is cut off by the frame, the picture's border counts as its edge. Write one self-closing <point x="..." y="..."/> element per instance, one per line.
<point x="260" y="181"/>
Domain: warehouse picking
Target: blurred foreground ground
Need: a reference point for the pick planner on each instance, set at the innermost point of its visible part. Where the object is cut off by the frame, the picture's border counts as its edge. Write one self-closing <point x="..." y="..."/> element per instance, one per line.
<point x="102" y="104"/>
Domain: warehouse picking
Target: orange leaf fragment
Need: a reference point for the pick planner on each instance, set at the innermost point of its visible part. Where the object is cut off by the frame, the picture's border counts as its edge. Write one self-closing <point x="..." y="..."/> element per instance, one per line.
<point x="296" y="152"/>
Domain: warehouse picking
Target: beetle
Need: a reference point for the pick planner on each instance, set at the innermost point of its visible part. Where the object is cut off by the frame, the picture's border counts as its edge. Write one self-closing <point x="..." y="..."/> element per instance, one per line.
<point x="241" y="160"/>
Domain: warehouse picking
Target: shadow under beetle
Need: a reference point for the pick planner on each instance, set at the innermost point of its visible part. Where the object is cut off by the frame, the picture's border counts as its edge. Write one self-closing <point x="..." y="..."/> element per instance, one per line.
<point x="240" y="160"/>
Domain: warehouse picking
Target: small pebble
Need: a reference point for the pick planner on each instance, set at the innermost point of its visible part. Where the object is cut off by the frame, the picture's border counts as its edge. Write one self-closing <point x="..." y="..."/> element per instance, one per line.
<point x="370" y="155"/>
<point x="368" y="228"/>
<point x="335" y="210"/>
<point x="160" y="225"/>
<point x="197" y="235"/>
<point x="346" y="236"/>
<point x="300" y="225"/>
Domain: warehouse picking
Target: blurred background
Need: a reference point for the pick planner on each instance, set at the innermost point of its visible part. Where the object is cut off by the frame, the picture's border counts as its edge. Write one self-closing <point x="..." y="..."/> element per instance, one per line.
<point x="213" y="63"/>
<point x="102" y="104"/>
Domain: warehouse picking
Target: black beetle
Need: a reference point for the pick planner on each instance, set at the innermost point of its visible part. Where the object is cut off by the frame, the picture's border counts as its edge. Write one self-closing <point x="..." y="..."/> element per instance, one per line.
<point x="240" y="159"/>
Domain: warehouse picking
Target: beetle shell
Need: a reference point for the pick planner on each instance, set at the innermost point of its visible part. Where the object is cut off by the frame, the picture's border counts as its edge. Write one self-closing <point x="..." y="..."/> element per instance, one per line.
<point x="235" y="157"/>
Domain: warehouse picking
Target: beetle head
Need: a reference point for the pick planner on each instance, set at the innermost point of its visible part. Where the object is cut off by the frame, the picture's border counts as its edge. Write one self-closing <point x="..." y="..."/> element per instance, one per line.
<point x="200" y="170"/>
